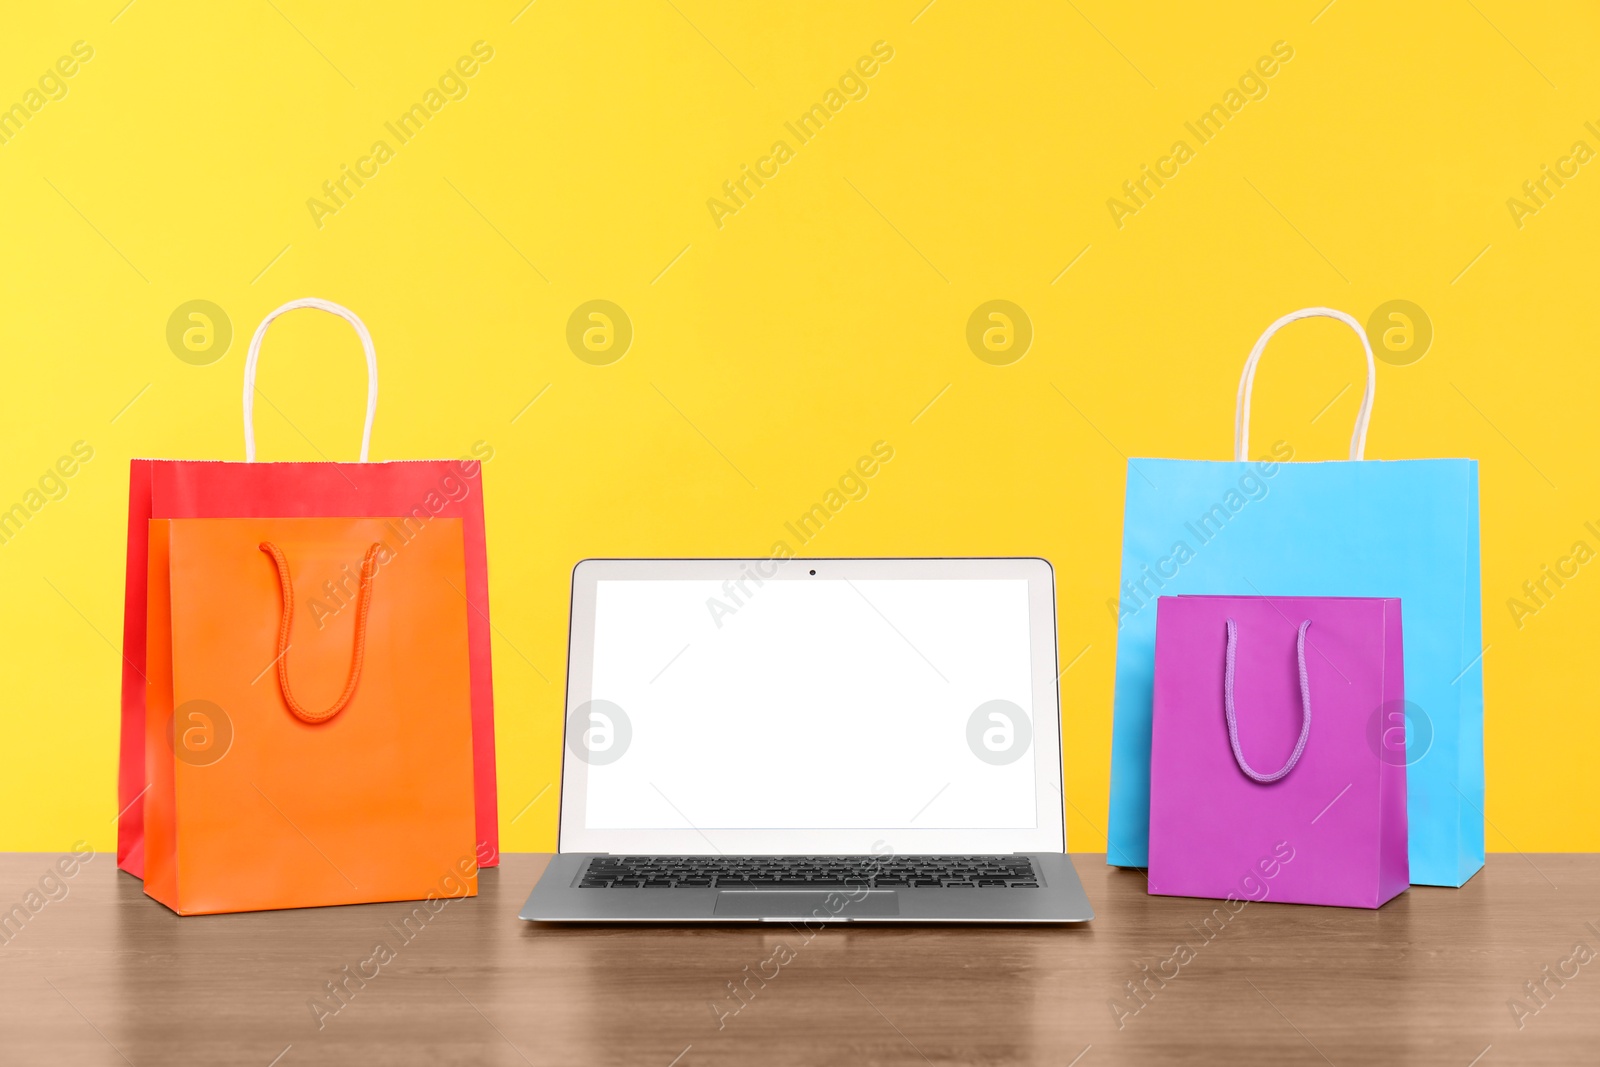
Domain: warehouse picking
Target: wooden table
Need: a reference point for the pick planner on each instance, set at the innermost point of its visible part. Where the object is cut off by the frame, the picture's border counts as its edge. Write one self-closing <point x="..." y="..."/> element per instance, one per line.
<point x="103" y="975"/>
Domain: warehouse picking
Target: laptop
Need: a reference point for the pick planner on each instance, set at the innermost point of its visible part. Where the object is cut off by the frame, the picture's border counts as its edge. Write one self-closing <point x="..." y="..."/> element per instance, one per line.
<point x="814" y="741"/>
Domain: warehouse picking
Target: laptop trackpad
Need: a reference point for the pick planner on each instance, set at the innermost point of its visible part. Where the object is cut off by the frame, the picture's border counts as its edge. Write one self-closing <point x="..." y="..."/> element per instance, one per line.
<point x="824" y="905"/>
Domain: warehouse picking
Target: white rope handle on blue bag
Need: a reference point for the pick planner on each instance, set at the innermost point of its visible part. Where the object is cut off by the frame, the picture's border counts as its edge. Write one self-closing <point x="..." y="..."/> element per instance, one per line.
<point x="255" y="354"/>
<point x="1233" y="721"/>
<point x="1241" y="416"/>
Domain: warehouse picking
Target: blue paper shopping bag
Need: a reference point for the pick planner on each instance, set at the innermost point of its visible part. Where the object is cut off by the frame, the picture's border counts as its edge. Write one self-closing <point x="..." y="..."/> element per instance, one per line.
<point x="1363" y="528"/>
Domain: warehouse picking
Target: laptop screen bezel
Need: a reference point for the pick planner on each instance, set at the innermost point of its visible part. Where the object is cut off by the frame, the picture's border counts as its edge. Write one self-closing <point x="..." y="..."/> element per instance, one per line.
<point x="1049" y="831"/>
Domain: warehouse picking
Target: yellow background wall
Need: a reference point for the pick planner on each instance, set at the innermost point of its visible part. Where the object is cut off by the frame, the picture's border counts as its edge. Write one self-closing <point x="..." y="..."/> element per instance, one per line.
<point x="825" y="314"/>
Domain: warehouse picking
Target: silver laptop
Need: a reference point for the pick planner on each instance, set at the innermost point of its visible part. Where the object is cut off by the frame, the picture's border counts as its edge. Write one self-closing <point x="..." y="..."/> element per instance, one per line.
<point x="824" y="740"/>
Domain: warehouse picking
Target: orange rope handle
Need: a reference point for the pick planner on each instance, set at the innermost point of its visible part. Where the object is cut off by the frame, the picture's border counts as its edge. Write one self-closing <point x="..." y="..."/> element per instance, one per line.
<point x="369" y="568"/>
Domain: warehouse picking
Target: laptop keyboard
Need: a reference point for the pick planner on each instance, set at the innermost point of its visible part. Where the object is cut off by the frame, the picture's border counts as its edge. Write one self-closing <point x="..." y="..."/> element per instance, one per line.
<point x="791" y="872"/>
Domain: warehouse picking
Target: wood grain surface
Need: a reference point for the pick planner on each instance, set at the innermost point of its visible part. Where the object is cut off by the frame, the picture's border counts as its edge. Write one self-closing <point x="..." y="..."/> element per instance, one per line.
<point x="100" y="974"/>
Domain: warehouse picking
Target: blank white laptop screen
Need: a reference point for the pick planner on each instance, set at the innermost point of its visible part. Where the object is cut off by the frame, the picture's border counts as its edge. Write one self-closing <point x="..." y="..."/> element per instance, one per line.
<point x="829" y="703"/>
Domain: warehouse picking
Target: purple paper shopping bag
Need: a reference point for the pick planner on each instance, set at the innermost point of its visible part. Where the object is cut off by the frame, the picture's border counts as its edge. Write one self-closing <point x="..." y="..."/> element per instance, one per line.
<point x="1276" y="770"/>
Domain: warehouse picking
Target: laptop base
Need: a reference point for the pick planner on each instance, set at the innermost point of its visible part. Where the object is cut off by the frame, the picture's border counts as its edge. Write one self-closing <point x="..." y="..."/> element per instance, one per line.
<point x="561" y="897"/>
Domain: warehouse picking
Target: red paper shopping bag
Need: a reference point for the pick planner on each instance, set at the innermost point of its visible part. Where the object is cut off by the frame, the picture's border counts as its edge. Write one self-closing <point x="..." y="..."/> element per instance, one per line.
<point x="413" y="493"/>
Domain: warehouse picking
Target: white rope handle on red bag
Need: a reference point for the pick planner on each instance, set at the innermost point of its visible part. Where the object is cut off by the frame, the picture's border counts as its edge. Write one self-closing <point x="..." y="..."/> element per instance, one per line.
<point x="255" y="354"/>
<point x="1241" y="416"/>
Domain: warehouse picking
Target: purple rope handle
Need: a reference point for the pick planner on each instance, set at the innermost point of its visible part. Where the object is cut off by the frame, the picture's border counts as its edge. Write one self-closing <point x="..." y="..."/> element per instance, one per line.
<point x="1233" y="722"/>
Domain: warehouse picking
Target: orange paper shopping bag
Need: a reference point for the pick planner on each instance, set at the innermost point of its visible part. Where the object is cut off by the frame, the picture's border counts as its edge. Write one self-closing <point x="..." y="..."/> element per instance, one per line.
<point x="309" y="731"/>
